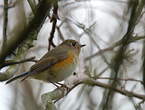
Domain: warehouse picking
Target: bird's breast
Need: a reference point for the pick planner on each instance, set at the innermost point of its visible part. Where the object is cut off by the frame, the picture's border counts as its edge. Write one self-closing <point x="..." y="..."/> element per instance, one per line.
<point x="64" y="63"/>
<point x="59" y="71"/>
<point x="63" y="69"/>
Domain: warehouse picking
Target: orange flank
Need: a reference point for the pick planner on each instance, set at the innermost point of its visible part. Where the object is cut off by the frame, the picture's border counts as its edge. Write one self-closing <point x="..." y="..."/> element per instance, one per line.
<point x="65" y="62"/>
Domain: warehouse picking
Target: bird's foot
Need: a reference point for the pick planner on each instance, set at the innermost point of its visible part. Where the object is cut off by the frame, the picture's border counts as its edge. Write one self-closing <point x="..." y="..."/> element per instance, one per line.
<point x="63" y="86"/>
<point x="59" y="85"/>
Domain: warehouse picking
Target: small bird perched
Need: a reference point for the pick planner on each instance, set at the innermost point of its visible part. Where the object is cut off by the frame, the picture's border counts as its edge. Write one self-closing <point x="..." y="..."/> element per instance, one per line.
<point x="56" y="65"/>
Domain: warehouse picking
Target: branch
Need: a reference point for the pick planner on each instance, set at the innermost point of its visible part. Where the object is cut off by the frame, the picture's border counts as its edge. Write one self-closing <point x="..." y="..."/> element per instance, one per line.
<point x="5" y="23"/>
<point x="60" y="33"/>
<point x="118" y="90"/>
<point x="10" y="62"/>
<point x="118" y="43"/>
<point x="54" y="20"/>
<point x="49" y="98"/>
<point x="122" y="79"/>
<point x="136" y="9"/>
<point x="32" y="28"/>
<point x="32" y="5"/>
<point x="10" y="5"/>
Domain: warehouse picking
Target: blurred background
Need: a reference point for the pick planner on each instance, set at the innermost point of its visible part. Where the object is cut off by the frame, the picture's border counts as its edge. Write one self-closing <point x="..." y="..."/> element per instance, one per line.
<point x="109" y="28"/>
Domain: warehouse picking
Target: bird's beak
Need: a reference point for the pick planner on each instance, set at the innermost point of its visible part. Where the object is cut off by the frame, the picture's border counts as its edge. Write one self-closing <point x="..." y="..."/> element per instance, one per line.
<point x="82" y="45"/>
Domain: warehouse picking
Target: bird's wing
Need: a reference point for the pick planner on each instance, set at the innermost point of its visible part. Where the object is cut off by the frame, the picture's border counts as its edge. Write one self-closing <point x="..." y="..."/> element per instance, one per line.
<point x="47" y="62"/>
<point x="57" y="51"/>
<point x="44" y="63"/>
<point x="40" y="66"/>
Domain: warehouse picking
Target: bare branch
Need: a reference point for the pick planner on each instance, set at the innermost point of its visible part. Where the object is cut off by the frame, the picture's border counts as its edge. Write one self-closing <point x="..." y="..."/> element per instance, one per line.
<point x="10" y="62"/>
<point x="33" y="27"/>
<point x="54" y="20"/>
<point x="5" y="23"/>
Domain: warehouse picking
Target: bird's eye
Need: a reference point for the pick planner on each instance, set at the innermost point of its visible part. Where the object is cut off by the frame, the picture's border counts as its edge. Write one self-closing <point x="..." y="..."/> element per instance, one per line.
<point x="73" y="44"/>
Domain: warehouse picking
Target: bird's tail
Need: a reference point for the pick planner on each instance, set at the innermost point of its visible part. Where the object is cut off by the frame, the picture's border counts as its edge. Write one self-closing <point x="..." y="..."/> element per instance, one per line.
<point x="18" y="76"/>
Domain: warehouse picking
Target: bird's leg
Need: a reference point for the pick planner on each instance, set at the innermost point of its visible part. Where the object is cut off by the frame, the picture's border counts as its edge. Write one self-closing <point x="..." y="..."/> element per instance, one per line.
<point x="63" y="85"/>
<point x="55" y="84"/>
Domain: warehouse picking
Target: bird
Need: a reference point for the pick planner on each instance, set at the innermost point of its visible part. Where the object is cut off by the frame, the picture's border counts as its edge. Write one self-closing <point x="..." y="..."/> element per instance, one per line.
<point x="56" y="65"/>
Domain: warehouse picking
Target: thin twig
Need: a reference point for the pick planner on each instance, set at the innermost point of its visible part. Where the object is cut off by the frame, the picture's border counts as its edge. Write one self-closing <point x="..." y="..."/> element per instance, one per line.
<point x="118" y="43"/>
<point x="118" y="90"/>
<point x="54" y="20"/>
<point x="32" y="28"/>
<point x="127" y="79"/>
<point x="60" y="33"/>
<point x="91" y="82"/>
<point x="5" y="23"/>
<point x="32" y="6"/>
<point x="137" y="7"/>
<point x="10" y="62"/>
<point x="10" y="5"/>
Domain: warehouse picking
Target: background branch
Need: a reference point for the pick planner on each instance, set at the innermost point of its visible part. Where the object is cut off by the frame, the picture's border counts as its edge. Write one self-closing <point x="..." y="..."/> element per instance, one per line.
<point x="137" y="7"/>
<point x="54" y="22"/>
<point x="33" y="27"/>
<point x="5" y="23"/>
<point x="58" y="93"/>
